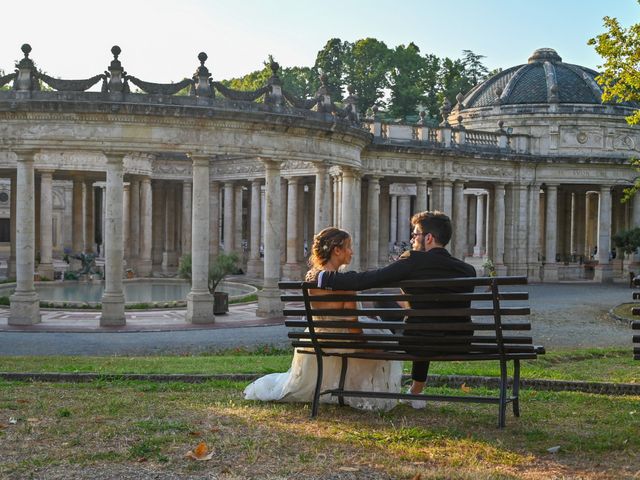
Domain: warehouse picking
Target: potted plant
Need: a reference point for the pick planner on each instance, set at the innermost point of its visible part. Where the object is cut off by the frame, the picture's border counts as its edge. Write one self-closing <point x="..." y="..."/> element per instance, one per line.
<point x="223" y="265"/>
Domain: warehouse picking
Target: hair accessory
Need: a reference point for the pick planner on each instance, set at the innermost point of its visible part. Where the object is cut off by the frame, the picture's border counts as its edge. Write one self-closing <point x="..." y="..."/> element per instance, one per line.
<point x="325" y="247"/>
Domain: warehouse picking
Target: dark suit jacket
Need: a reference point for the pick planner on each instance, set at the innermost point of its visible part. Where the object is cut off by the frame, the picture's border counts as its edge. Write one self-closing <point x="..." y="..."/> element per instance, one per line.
<point x="412" y="265"/>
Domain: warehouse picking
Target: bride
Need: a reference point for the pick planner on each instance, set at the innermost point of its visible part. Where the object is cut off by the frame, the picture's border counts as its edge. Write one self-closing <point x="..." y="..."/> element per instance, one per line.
<point x="331" y="249"/>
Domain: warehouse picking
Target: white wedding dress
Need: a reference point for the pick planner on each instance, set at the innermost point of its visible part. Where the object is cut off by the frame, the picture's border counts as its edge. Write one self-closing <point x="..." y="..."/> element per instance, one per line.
<point x="298" y="384"/>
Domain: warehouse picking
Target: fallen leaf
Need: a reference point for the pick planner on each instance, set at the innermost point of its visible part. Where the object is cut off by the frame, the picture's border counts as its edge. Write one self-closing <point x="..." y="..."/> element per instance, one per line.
<point x="214" y="429"/>
<point x="195" y="434"/>
<point x="22" y="400"/>
<point x="465" y="389"/>
<point x="349" y="469"/>
<point x="200" y="453"/>
<point x="141" y="459"/>
<point x="555" y="449"/>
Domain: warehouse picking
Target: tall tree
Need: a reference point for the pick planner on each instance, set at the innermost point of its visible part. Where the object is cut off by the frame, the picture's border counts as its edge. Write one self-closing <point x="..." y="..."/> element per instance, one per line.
<point x="330" y="60"/>
<point x="407" y="72"/>
<point x="366" y="66"/>
<point x="620" y="78"/>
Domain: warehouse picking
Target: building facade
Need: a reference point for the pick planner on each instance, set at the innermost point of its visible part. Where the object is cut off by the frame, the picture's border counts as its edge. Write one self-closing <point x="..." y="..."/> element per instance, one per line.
<point x="530" y="165"/>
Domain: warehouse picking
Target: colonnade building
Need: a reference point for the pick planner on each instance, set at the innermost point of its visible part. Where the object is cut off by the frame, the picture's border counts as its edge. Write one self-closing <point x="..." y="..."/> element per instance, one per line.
<point x="530" y="165"/>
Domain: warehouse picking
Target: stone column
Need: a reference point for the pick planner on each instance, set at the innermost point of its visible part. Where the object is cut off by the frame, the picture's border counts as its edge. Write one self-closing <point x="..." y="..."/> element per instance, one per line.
<point x="373" y="213"/>
<point x="254" y="267"/>
<point x="336" y="201"/>
<point x="228" y="228"/>
<point x="291" y="269"/>
<point x="283" y="221"/>
<point x="516" y="216"/>
<point x="113" y="298"/>
<point x="340" y="198"/>
<point x="498" y="228"/>
<point x="590" y="224"/>
<point x="603" y="271"/>
<point x="25" y="303"/>
<point x="534" y="228"/>
<point x="169" y="254"/>
<point x="157" y="223"/>
<point x="459" y="242"/>
<point x="89" y="217"/>
<point x="383" y="239"/>
<point x="404" y="218"/>
<point x="185" y="246"/>
<point x="269" y="304"/>
<point x="126" y="222"/>
<point x="579" y="223"/>
<point x="323" y="198"/>
<point x="45" y="269"/>
<point x="635" y="223"/>
<point x="77" y="224"/>
<point x="134" y="221"/>
<point x="393" y="220"/>
<point x="237" y="220"/>
<point x="421" y="196"/>
<point x="214" y="220"/>
<point x="550" y="238"/>
<point x="350" y="208"/>
<point x="199" y="300"/>
<point x="103" y="206"/>
<point x="11" y="268"/>
<point x="479" y="247"/>
<point x="146" y="227"/>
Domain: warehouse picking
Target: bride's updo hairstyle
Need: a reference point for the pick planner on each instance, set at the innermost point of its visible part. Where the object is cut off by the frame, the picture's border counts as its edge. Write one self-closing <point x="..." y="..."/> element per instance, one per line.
<point x="323" y="244"/>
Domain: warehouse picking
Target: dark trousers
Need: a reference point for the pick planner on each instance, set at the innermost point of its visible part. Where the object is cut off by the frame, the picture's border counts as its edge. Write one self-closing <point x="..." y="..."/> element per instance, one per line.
<point x="419" y="370"/>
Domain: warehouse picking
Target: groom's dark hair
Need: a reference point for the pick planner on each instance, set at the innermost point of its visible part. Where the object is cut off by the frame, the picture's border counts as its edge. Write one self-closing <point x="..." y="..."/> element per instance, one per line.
<point x="436" y="223"/>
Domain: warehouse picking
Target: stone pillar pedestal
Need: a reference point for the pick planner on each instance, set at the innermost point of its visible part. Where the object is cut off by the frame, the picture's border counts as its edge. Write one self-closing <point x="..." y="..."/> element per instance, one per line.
<point x="269" y="304"/>
<point x="25" y="303"/>
<point x="199" y="300"/>
<point x="113" y="298"/>
<point x="45" y="269"/>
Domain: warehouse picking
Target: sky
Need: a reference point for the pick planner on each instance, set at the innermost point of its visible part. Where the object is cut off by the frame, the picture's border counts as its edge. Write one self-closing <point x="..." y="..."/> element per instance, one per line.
<point x="161" y="39"/>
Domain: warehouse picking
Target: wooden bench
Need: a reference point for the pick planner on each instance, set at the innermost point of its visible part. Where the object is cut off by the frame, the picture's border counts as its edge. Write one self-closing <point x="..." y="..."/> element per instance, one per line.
<point x="636" y="325"/>
<point x="479" y="322"/>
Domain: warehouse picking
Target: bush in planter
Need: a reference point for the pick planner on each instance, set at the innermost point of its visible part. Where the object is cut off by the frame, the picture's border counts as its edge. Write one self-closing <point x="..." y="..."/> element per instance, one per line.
<point x="224" y="264"/>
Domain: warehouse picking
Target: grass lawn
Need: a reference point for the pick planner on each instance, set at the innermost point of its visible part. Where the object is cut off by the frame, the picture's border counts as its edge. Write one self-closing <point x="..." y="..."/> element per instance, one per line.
<point x="143" y="429"/>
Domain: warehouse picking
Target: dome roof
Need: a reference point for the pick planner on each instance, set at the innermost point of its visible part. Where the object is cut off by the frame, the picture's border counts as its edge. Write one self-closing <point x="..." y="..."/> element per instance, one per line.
<point x="544" y="79"/>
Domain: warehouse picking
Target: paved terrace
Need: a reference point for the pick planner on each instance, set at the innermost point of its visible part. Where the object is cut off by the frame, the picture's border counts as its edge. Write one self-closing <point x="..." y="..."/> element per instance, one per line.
<point x="564" y="315"/>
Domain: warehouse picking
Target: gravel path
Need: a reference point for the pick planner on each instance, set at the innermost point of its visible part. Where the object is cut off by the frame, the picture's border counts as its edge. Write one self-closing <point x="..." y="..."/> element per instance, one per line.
<point x="563" y="315"/>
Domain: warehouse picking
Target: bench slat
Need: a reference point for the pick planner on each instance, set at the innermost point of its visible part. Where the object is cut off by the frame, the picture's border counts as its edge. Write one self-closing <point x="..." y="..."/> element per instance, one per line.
<point x="433" y="358"/>
<point x="397" y="297"/>
<point x="444" y="326"/>
<point x="437" y="282"/>
<point x="422" y="339"/>
<point x="380" y="312"/>
<point x="472" y="349"/>
<point x="635" y="325"/>
<point x="422" y="397"/>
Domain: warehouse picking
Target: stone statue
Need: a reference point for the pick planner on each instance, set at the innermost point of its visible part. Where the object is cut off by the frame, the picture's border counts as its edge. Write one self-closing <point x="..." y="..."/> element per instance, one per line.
<point x="88" y="261"/>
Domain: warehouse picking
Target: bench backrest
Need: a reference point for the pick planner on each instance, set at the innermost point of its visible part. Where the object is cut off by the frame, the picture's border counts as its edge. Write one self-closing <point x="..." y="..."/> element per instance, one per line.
<point x="636" y="340"/>
<point x="452" y="317"/>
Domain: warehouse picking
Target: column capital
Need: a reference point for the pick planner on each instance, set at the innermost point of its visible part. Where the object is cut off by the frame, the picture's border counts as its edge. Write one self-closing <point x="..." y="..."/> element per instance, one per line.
<point x="199" y="158"/>
<point x="26" y="154"/>
<point x="270" y="162"/>
<point x="256" y="181"/>
<point x="114" y="157"/>
<point x="292" y="179"/>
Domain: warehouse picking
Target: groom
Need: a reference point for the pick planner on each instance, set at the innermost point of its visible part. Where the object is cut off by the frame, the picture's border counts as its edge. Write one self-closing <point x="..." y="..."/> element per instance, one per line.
<point x="431" y="231"/>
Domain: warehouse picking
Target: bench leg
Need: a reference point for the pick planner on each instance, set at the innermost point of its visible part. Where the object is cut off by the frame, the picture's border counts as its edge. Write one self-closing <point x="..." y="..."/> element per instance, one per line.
<point x="503" y="394"/>
<point x="316" y="393"/>
<point x="516" y="388"/>
<point x="343" y="376"/>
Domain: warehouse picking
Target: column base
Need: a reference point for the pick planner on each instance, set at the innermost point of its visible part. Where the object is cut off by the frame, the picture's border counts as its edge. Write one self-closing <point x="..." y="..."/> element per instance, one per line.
<point x="535" y="272"/>
<point x="501" y="269"/>
<point x="550" y="273"/>
<point x="200" y="308"/>
<point x="255" y="268"/>
<point x="169" y="259"/>
<point x="112" y="310"/>
<point x="603" y="274"/>
<point x="45" y="270"/>
<point x="269" y="303"/>
<point x="292" y="271"/>
<point x="24" y="309"/>
<point x="144" y="268"/>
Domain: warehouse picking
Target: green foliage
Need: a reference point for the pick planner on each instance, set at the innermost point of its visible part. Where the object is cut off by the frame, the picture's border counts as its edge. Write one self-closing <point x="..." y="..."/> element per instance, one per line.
<point x="223" y="265"/>
<point x="407" y="79"/>
<point x="620" y="78"/>
<point x="330" y="60"/>
<point x="367" y="64"/>
<point x="70" y="276"/>
<point x="627" y="240"/>
<point x="4" y="300"/>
